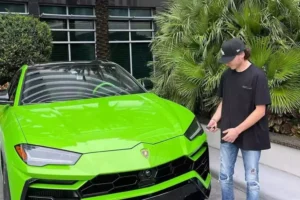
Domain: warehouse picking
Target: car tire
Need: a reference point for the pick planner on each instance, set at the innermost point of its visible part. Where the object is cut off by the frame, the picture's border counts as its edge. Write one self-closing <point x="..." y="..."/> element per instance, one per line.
<point x="5" y="184"/>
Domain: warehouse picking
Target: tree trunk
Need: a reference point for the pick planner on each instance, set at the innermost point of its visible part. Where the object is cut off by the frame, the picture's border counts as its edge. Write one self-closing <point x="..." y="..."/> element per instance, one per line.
<point x="102" y="40"/>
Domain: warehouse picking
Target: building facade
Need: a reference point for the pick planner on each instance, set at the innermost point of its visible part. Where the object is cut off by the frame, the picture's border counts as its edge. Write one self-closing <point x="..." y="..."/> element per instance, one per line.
<point x="76" y="36"/>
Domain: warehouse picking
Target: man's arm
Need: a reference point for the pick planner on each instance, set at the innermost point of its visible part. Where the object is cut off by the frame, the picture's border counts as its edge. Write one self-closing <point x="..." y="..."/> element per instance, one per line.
<point x="254" y="117"/>
<point x="213" y="123"/>
<point x="218" y="114"/>
<point x="262" y="98"/>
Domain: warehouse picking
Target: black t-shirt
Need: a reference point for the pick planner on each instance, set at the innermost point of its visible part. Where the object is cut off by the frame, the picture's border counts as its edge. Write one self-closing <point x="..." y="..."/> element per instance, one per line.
<point x="241" y="92"/>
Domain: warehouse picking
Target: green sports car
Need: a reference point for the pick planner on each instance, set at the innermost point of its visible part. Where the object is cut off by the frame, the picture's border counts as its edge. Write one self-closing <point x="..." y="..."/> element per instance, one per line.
<point x="89" y="130"/>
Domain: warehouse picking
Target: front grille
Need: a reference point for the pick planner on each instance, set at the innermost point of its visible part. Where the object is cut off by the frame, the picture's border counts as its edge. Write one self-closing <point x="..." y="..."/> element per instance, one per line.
<point x="121" y="182"/>
<point x="201" y="166"/>
<point x="107" y="184"/>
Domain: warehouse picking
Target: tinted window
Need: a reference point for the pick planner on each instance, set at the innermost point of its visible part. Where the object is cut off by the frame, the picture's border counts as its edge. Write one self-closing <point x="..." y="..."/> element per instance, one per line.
<point x="18" y="8"/>
<point x="60" y="52"/>
<point x="120" y="54"/>
<point x="142" y="54"/>
<point x="140" y="12"/>
<point x="80" y="11"/>
<point x="82" y="52"/>
<point x="118" y="12"/>
<point x="80" y="24"/>
<point x="79" y="81"/>
<point x="53" y="10"/>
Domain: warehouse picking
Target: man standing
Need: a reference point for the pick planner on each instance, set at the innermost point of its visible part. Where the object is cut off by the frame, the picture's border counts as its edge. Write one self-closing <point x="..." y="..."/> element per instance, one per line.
<point x="242" y="115"/>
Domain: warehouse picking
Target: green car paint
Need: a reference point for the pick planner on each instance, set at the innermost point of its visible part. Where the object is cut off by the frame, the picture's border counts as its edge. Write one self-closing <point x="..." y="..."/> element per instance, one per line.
<point x="106" y="147"/>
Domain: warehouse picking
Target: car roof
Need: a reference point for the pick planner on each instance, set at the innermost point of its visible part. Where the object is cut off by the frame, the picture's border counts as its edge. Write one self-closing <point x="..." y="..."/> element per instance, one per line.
<point x="50" y="64"/>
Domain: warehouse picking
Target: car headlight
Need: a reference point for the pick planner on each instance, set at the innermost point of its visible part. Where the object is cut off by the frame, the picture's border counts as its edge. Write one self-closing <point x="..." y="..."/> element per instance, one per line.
<point x="194" y="130"/>
<point x="41" y="156"/>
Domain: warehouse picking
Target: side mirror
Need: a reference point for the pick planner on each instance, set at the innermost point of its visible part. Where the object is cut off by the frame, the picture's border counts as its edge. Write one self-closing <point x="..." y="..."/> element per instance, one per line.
<point x="4" y="98"/>
<point x="147" y="84"/>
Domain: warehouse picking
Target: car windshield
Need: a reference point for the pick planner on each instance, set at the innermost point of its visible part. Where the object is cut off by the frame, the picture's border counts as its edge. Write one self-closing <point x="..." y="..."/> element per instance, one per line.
<point x="64" y="82"/>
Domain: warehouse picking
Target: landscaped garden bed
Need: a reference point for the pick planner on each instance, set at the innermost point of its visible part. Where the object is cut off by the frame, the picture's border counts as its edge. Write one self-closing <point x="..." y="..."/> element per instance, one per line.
<point x="187" y="48"/>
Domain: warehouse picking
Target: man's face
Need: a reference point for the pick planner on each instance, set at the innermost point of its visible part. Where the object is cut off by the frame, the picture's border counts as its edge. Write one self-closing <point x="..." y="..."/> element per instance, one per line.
<point x="236" y="62"/>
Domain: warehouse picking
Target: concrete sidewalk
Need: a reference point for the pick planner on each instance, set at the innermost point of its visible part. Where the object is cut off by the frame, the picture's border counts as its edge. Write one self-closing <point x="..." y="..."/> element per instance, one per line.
<point x="275" y="184"/>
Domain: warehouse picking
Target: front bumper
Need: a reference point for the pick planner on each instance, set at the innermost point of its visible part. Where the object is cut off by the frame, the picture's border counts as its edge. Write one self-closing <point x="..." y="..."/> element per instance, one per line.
<point x="187" y="190"/>
<point x="188" y="175"/>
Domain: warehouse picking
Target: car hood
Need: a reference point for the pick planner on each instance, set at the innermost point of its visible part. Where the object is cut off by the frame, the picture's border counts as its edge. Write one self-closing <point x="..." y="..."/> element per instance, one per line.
<point x="103" y="124"/>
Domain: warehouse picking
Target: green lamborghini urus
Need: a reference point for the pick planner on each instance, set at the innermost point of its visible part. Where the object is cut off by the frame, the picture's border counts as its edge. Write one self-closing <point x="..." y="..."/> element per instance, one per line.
<point x="89" y="130"/>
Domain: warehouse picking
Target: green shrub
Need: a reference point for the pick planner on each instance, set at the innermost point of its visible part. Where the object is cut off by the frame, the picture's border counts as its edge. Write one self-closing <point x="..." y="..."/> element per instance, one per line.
<point x="23" y="40"/>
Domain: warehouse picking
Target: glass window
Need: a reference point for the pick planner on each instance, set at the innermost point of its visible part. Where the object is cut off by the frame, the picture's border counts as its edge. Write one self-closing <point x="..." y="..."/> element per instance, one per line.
<point x="130" y="46"/>
<point x="118" y="36"/>
<point x="140" y="12"/>
<point x="60" y="52"/>
<point x="141" y="55"/>
<point x="55" y="23"/>
<point x="141" y="35"/>
<point x="76" y="81"/>
<point x="141" y="25"/>
<point x="119" y="53"/>
<point x="81" y="24"/>
<point x="82" y="36"/>
<point x="82" y="52"/>
<point x="80" y="11"/>
<point x="72" y="34"/>
<point x="118" y="12"/>
<point x="60" y="36"/>
<point x="60" y="10"/>
<point x="17" y="8"/>
<point x="118" y="25"/>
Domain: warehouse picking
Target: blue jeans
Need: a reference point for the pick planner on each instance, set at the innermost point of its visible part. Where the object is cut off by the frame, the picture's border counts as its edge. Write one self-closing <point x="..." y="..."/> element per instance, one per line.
<point x="229" y="154"/>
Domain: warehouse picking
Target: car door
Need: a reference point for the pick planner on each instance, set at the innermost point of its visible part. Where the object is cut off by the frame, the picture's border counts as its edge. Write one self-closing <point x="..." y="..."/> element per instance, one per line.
<point x="4" y="107"/>
<point x="12" y="89"/>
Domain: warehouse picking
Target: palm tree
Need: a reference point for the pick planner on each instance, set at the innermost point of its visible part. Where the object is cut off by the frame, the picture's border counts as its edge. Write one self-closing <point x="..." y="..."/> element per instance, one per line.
<point x="102" y="39"/>
<point x="187" y="46"/>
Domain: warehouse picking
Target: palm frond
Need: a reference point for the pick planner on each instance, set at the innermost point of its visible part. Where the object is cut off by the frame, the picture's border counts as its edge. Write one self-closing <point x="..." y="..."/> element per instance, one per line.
<point x="284" y="100"/>
<point x="283" y="65"/>
<point x="186" y="48"/>
<point x="261" y="49"/>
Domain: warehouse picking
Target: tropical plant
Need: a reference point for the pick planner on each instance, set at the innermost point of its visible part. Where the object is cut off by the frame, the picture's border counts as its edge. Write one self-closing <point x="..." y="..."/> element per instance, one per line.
<point x="282" y="67"/>
<point x="187" y="46"/>
<point x="24" y="40"/>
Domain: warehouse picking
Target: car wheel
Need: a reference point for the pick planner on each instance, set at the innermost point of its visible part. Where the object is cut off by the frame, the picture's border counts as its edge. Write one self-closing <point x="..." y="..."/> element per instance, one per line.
<point x="5" y="183"/>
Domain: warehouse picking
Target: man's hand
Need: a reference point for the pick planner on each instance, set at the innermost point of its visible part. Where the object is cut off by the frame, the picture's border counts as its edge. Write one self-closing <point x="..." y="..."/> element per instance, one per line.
<point x="212" y="125"/>
<point x="256" y="115"/>
<point x="231" y="136"/>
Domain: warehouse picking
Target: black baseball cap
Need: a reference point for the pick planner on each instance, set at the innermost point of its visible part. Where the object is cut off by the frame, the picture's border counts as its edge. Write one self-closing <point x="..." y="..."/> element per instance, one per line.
<point x="230" y="49"/>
